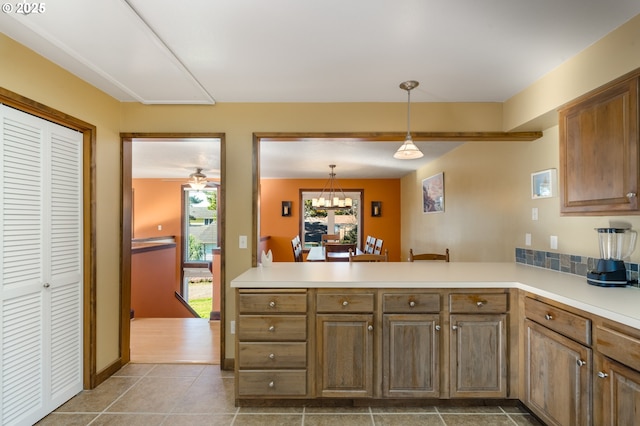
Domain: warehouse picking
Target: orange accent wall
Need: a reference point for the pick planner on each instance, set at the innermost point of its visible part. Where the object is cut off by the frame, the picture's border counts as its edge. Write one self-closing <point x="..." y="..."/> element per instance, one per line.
<point x="283" y="229"/>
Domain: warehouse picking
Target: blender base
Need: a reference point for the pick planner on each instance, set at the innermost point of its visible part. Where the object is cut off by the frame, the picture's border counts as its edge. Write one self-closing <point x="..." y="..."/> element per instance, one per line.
<point x="609" y="273"/>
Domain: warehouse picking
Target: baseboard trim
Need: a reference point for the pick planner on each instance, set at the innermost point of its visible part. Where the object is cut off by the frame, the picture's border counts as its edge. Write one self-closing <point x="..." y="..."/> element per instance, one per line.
<point x="107" y="372"/>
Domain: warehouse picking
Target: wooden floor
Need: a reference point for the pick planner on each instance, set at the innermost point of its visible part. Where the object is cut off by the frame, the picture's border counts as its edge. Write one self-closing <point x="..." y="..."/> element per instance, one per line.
<point x="175" y="341"/>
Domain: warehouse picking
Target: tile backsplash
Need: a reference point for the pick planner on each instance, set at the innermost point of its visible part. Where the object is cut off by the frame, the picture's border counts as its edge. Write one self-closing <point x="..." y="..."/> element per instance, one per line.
<point x="569" y="263"/>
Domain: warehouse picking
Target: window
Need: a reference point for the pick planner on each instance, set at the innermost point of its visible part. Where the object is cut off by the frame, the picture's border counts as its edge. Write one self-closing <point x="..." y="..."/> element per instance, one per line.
<point x="317" y="221"/>
<point x="201" y="224"/>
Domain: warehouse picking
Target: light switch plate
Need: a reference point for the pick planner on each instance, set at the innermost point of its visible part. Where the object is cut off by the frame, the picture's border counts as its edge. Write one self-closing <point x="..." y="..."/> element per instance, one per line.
<point x="527" y="239"/>
<point x="553" y="242"/>
<point x="242" y="242"/>
<point x="534" y="213"/>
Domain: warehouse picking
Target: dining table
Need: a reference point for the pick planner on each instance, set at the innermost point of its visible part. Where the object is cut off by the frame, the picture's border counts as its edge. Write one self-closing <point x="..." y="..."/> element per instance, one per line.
<point x="318" y="254"/>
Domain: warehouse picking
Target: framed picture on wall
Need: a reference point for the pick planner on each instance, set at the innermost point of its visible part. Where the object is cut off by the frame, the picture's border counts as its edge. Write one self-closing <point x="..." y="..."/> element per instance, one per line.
<point x="433" y="194"/>
<point x="543" y="184"/>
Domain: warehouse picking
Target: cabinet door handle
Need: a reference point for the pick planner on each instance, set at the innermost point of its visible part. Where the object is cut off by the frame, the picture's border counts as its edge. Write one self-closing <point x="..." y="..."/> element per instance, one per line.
<point x="548" y="317"/>
<point x="46" y="285"/>
<point x="272" y="356"/>
<point x="272" y="328"/>
<point x="602" y="375"/>
<point x="631" y="194"/>
<point x="581" y="363"/>
<point x="437" y="328"/>
<point x="481" y="303"/>
<point x="454" y="327"/>
<point x="272" y="304"/>
<point x="272" y="384"/>
<point x="345" y="303"/>
<point x="412" y="304"/>
<point x="370" y="328"/>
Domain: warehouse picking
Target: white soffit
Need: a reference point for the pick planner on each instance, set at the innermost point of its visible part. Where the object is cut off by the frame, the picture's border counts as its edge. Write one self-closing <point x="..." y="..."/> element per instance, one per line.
<point x="108" y="45"/>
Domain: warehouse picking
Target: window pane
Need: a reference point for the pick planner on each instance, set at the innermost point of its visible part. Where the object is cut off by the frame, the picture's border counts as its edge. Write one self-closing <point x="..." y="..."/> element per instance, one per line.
<point x="318" y="221"/>
<point x="201" y="227"/>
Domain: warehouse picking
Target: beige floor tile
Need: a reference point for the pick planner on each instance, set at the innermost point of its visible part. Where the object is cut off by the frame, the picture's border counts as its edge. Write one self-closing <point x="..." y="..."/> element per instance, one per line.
<point x="67" y="419"/>
<point x="337" y="419"/>
<point x="176" y="370"/>
<point x="198" y="420"/>
<point x="337" y="410"/>
<point x="408" y="420"/>
<point x="134" y="370"/>
<point x="153" y="395"/>
<point x="207" y="395"/>
<point x="482" y="409"/>
<point x="525" y="420"/>
<point x="271" y="410"/>
<point x="477" y="420"/>
<point x="268" y="420"/>
<point x="129" y="420"/>
<point x="101" y="397"/>
<point x="402" y="410"/>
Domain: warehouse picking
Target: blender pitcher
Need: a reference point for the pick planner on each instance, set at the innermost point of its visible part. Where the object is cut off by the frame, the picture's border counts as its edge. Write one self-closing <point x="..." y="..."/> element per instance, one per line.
<point x="615" y="244"/>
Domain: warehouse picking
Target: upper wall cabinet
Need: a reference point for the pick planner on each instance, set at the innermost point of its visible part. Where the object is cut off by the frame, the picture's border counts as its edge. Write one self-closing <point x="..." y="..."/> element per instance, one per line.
<point x="599" y="167"/>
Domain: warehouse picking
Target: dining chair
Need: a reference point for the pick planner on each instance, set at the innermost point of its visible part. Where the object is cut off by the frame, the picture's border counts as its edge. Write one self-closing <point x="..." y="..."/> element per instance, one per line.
<point x="428" y="256"/>
<point x="338" y="252"/>
<point x="369" y="244"/>
<point x="330" y="238"/>
<point x="378" y="247"/>
<point x="296" y="245"/>
<point x="368" y="257"/>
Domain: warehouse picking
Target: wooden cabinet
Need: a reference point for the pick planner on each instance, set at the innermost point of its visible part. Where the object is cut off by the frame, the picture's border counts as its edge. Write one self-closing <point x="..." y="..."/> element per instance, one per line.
<point x="345" y="341"/>
<point x="617" y="375"/>
<point x="478" y="345"/>
<point x="599" y="168"/>
<point x="272" y="344"/>
<point x="557" y="369"/>
<point x="411" y="344"/>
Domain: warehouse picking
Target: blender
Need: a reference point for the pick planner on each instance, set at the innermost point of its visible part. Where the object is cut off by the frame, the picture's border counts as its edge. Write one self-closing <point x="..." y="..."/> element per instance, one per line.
<point x="615" y="245"/>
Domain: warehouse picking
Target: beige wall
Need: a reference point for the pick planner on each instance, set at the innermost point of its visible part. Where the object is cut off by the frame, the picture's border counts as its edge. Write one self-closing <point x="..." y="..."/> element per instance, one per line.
<point x="487" y="197"/>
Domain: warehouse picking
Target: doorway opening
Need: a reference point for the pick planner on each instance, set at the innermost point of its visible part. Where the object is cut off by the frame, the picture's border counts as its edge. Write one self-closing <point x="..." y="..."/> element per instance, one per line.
<point x="173" y="248"/>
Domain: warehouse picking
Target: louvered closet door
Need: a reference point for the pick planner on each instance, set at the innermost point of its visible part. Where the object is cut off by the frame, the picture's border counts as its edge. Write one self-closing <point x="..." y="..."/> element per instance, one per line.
<point x="40" y="266"/>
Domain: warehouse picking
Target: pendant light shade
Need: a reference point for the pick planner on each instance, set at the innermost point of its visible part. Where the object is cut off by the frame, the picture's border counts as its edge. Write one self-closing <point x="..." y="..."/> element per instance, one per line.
<point x="408" y="150"/>
<point x="198" y="180"/>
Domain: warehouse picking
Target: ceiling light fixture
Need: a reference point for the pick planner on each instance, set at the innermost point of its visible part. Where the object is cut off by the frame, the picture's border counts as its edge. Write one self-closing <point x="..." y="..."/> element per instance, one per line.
<point x="408" y="150"/>
<point x="198" y="179"/>
<point x="332" y="200"/>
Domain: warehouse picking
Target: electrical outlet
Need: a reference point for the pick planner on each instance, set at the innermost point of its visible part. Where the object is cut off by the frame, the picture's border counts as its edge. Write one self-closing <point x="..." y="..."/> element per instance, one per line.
<point x="527" y="239"/>
<point x="553" y="242"/>
<point x="233" y="327"/>
<point x="159" y="227"/>
<point x="534" y="213"/>
<point x="242" y="241"/>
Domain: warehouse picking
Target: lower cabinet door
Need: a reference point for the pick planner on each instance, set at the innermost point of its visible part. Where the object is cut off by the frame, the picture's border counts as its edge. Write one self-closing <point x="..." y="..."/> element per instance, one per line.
<point x="617" y="394"/>
<point x="557" y="377"/>
<point x="478" y="356"/>
<point x="345" y="355"/>
<point x="410" y="356"/>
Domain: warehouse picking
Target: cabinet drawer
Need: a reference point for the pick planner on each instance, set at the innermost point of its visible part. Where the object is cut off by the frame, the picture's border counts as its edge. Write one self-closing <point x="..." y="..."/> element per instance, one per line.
<point x="269" y="303"/>
<point x="272" y="327"/>
<point x="272" y="383"/>
<point x="478" y="303"/>
<point x="272" y="355"/>
<point x="619" y="346"/>
<point x="411" y="302"/>
<point x="345" y="302"/>
<point x="571" y="325"/>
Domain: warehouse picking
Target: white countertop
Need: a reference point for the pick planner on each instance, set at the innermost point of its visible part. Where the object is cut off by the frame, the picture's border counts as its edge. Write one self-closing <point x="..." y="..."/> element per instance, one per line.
<point x="618" y="304"/>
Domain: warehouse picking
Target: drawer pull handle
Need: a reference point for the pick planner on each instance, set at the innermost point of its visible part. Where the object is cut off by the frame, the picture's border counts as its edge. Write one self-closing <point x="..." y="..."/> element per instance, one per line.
<point x="481" y="303"/>
<point x="272" y="384"/>
<point x="370" y="328"/>
<point x="412" y="304"/>
<point x="581" y="363"/>
<point x="454" y="327"/>
<point x="548" y="317"/>
<point x="437" y="328"/>
<point x="272" y="328"/>
<point x="272" y="356"/>
<point x="602" y="375"/>
<point x="272" y="304"/>
<point x="345" y="303"/>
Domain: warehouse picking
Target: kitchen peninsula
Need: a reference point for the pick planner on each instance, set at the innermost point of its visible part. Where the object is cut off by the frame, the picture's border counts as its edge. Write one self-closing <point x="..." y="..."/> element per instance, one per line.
<point x="437" y="331"/>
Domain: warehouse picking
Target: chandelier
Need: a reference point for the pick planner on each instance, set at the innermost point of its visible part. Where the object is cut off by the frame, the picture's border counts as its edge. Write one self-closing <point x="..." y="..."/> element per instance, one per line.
<point x="329" y="198"/>
<point x="197" y="180"/>
<point x="408" y="150"/>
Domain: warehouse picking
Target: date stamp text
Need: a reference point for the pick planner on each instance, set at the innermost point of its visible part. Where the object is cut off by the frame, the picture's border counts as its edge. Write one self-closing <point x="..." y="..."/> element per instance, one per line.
<point x="24" y="8"/>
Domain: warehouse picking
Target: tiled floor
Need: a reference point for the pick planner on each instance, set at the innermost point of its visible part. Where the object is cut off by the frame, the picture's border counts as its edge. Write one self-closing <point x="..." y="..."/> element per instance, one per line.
<point x="181" y="394"/>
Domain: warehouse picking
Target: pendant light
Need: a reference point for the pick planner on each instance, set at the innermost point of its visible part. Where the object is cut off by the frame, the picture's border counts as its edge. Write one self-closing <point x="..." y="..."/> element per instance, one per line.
<point x="408" y="150"/>
<point x="329" y="198"/>
<point x="198" y="180"/>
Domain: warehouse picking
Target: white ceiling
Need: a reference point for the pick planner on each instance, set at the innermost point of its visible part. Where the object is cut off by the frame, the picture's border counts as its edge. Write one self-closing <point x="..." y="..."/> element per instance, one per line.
<point x="208" y="51"/>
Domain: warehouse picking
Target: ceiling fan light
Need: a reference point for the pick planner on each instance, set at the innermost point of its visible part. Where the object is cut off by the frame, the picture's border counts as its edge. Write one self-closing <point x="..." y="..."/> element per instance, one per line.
<point x="198" y="185"/>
